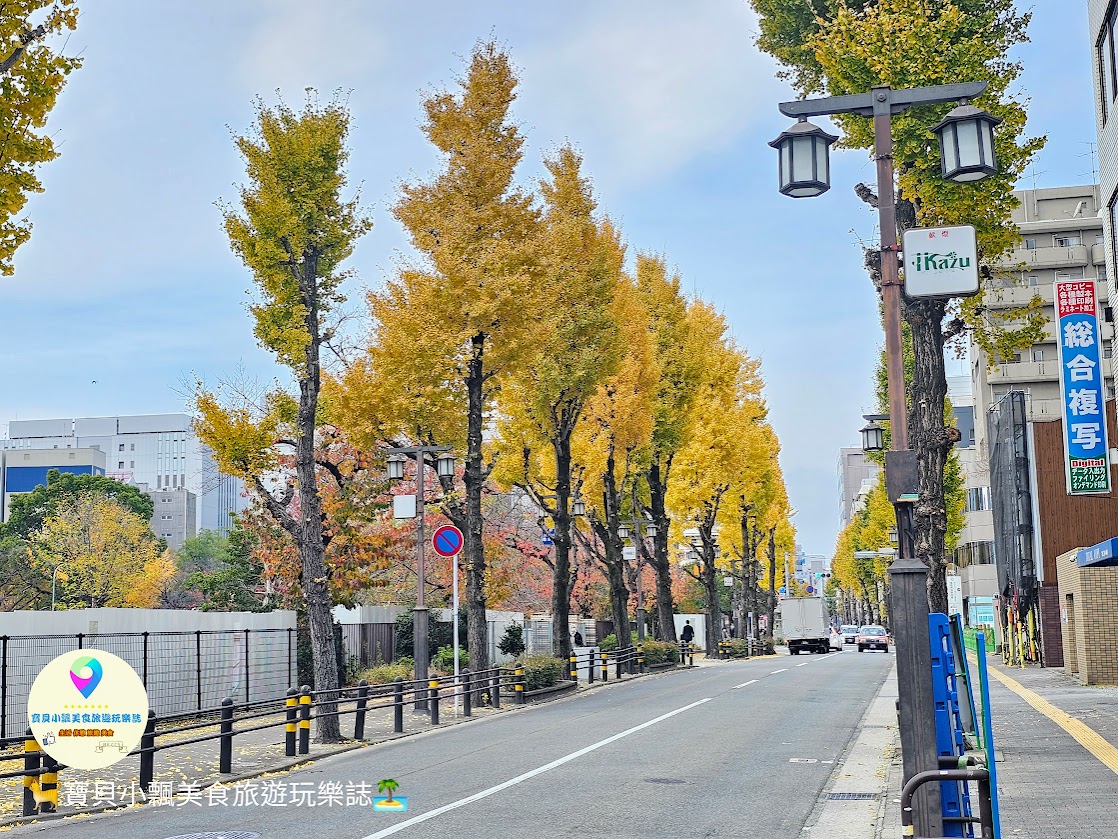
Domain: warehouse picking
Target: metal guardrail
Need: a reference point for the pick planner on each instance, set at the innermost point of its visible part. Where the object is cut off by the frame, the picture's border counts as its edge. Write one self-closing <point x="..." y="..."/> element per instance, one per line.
<point x="295" y="713"/>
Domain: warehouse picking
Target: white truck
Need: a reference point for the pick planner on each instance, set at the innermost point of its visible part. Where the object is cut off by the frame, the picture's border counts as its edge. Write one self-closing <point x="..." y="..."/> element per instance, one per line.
<point x="806" y="625"/>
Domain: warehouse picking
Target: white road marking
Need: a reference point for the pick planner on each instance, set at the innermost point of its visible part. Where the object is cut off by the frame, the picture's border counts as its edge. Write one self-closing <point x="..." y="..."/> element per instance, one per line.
<point x="805" y="664"/>
<point x="781" y="670"/>
<point x="485" y="793"/>
<point x="744" y="684"/>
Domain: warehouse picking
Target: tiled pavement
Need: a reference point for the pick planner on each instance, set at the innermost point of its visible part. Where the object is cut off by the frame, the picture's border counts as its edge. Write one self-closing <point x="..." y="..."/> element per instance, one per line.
<point x="1048" y="784"/>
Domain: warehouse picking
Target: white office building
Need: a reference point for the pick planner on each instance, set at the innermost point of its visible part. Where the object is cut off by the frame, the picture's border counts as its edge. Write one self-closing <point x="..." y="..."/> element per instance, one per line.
<point x="160" y="450"/>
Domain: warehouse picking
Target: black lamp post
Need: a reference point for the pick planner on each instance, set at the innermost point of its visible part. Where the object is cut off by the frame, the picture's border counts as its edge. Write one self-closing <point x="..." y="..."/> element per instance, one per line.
<point x="967" y="151"/>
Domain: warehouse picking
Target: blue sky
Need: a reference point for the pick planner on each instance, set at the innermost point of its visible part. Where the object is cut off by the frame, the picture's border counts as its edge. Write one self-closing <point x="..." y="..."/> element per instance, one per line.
<point x="128" y="280"/>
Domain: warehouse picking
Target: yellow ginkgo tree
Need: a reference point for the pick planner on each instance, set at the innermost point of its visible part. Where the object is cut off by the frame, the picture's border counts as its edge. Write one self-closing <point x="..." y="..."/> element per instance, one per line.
<point x="463" y="315"/>
<point x="97" y="552"/>
<point x="608" y="443"/>
<point x="543" y="403"/>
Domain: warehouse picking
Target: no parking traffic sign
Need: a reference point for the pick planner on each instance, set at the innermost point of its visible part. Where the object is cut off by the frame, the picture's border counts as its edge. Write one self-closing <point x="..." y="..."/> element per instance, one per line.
<point x="447" y="540"/>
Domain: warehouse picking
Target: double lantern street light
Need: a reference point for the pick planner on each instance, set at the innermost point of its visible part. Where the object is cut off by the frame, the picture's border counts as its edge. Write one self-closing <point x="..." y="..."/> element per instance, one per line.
<point x="650" y="530"/>
<point x="966" y="144"/>
<point x="444" y="468"/>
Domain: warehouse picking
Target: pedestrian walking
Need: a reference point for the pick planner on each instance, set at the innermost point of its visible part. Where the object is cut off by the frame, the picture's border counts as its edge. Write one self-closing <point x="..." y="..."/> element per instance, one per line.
<point x="578" y="639"/>
<point x="688" y="633"/>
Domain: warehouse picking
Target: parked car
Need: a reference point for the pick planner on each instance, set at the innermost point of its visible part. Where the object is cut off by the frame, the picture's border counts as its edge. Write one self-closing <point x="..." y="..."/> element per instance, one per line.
<point x="837" y="641"/>
<point x="849" y="633"/>
<point x="871" y="637"/>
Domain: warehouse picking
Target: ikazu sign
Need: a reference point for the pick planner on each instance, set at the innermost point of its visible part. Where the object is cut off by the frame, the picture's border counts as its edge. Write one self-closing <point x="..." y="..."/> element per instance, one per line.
<point x="941" y="262"/>
<point x="1081" y="385"/>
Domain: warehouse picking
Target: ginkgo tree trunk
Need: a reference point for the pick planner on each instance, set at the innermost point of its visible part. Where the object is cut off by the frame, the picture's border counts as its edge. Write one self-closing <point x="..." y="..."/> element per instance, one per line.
<point x="464" y="315"/>
<point x="292" y="231"/>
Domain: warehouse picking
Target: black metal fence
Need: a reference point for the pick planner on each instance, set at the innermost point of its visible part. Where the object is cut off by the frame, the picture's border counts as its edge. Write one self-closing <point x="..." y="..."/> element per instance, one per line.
<point x="183" y="671"/>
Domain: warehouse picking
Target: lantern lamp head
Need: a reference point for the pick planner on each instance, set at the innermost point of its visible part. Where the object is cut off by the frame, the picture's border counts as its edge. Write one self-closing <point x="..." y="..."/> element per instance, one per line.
<point x="966" y="144"/>
<point x="803" y="153"/>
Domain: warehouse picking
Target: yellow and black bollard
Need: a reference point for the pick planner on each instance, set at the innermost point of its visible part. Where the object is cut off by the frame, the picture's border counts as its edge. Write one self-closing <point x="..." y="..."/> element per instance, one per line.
<point x="640" y="658"/>
<point x="292" y="721"/>
<point x="433" y="702"/>
<point x="574" y="667"/>
<point x="605" y="667"/>
<point x="32" y="756"/>
<point x="305" y="720"/>
<point x="519" y="687"/>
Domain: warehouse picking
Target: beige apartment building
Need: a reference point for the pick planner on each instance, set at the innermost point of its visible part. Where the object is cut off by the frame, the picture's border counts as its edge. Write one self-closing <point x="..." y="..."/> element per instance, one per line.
<point x="1061" y="238"/>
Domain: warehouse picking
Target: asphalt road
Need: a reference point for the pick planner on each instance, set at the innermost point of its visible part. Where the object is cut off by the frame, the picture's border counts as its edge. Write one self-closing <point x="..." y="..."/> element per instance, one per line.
<point x="741" y="749"/>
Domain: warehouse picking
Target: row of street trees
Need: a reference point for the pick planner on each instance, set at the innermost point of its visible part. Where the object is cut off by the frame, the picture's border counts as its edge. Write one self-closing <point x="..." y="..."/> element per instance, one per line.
<point x="513" y="334"/>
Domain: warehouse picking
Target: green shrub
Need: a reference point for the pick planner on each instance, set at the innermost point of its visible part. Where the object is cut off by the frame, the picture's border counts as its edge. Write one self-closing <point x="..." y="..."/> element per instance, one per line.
<point x="609" y="644"/>
<point x="738" y="647"/>
<point x="542" y="671"/>
<point x="660" y="652"/>
<point x="443" y="660"/>
<point x="380" y="673"/>
<point x="512" y="642"/>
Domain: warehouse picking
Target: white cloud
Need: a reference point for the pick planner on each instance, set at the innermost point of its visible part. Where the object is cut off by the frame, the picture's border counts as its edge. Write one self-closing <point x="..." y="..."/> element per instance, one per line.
<point x="651" y="85"/>
<point x="311" y="42"/>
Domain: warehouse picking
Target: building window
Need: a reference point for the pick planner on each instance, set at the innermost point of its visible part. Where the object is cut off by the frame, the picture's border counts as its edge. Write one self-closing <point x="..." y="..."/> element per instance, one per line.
<point x="1107" y="351"/>
<point x="1034" y="280"/>
<point x="120" y="448"/>
<point x="1106" y="70"/>
<point x="1108" y="314"/>
<point x="1068" y="241"/>
<point x="133" y="448"/>
<point x="1038" y="354"/>
<point x="1030" y="244"/>
<point x="978" y="499"/>
<point x="120" y="464"/>
<point x="1102" y="273"/>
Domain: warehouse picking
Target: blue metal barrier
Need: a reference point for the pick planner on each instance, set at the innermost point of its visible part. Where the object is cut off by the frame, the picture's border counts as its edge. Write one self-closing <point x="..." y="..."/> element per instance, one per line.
<point x="954" y="795"/>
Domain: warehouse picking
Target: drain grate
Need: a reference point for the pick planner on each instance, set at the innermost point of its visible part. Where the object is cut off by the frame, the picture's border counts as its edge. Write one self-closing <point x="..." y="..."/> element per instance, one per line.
<point x="219" y="834"/>
<point x="852" y="796"/>
<point x="664" y="781"/>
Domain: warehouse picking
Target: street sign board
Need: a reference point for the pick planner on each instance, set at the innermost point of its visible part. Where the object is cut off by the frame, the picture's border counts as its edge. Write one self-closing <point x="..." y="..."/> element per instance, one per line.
<point x="447" y="540"/>
<point x="629" y="552"/>
<point x="1086" y="463"/>
<point x="954" y="594"/>
<point x="403" y="506"/>
<point x="548" y="538"/>
<point x="941" y="262"/>
<point x="811" y="589"/>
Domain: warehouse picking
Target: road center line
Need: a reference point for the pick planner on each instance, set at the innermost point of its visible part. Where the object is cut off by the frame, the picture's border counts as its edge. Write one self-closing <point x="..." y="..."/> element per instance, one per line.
<point x="485" y="793"/>
<point x="781" y="670"/>
<point x="805" y="664"/>
<point x="744" y="684"/>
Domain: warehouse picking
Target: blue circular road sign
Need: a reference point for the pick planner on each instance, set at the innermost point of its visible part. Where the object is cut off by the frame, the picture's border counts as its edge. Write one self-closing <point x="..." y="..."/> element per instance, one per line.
<point x="447" y="540"/>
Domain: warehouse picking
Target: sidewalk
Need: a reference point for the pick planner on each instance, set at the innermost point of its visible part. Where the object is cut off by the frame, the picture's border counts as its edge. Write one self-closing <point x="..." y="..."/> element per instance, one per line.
<point x="1057" y="738"/>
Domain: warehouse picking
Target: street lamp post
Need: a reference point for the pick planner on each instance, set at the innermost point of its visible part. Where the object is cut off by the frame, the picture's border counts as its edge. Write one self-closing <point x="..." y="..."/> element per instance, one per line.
<point x="967" y="154"/>
<point x="444" y="467"/>
<point x="650" y="531"/>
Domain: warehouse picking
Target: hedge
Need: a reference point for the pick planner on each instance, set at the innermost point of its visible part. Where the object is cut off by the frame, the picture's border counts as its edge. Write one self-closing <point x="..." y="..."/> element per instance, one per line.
<point x="660" y="652"/>
<point x="542" y="671"/>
